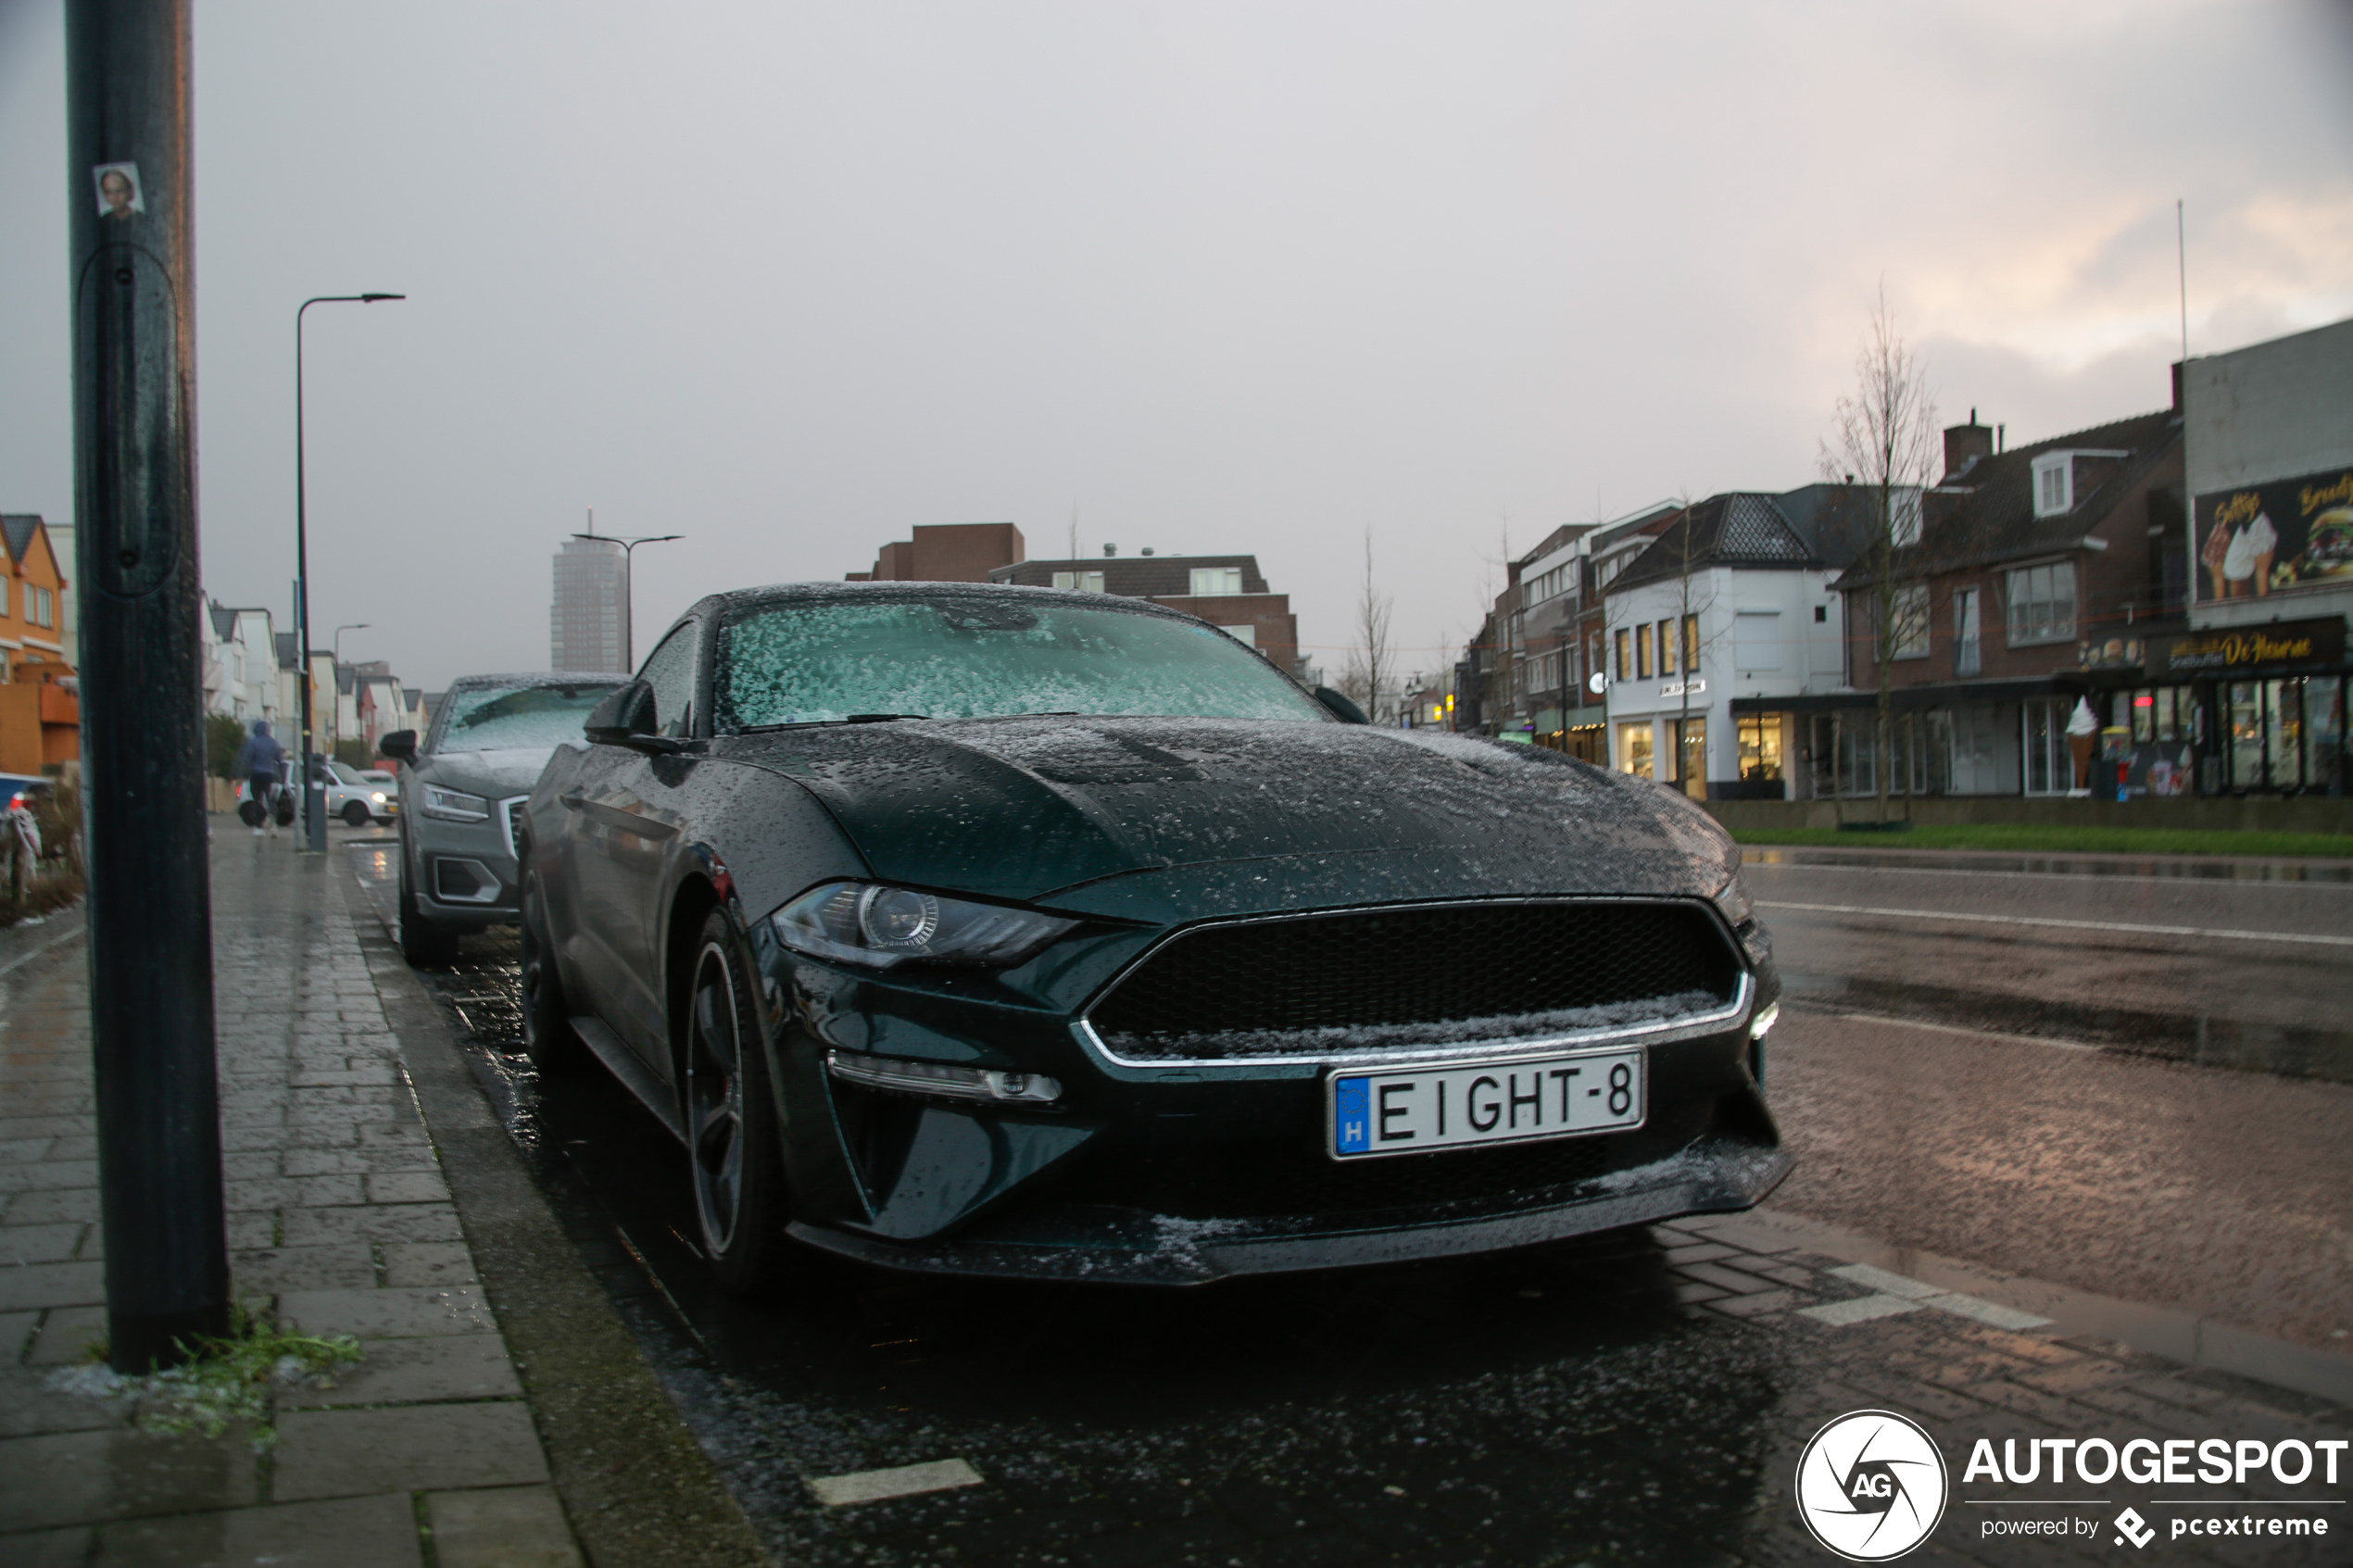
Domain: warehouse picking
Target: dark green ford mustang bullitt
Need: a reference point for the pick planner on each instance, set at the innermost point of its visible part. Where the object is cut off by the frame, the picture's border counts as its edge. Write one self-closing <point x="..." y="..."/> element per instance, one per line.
<point x="1008" y="931"/>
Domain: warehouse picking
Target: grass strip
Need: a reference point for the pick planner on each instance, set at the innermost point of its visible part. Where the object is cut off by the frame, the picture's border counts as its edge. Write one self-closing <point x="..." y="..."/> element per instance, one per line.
<point x="2045" y="839"/>
<point x="226" y="1381"/>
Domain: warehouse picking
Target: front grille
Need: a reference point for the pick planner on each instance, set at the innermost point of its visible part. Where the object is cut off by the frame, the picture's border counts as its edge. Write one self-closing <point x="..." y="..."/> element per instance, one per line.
<point x="1295" y="1179"/>
<point x="1374" y="979"/>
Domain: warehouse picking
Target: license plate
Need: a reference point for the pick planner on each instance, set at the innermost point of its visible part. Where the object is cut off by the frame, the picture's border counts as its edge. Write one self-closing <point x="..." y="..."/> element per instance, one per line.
<point x="1449" y="1105"/>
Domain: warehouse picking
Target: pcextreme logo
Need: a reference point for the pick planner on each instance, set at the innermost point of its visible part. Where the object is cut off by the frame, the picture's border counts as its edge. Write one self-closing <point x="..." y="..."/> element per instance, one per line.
<point x="1871" y="1485"/>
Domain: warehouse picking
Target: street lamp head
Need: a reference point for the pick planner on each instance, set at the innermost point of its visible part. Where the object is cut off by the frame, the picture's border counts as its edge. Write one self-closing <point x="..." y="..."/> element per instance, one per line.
<point x="372" y="298"/>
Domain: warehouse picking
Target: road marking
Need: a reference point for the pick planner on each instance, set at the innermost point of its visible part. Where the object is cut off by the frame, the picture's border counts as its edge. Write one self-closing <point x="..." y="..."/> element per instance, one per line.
<point x="1901" y="1293"/>
<point x="2307" y="938"/>
<point x="1803" y="1005"/>
<point x="2338" y="882"/>
<point x="42" y="951"/>
<point x="904" y="1481"/>
<point x="1862" y="1309"/>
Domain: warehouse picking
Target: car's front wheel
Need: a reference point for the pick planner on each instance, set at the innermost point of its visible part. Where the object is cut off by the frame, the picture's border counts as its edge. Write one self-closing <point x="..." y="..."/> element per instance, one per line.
<point x="731" y="1127"/>
<point x="355" y="814"/>
<point x="547" y="1036"/>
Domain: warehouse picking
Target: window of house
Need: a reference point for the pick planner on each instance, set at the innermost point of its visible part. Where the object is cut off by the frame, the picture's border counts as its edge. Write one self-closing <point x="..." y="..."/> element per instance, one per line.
<point x="1625" y="654"/>
<point x="4" y="596"/>
<point x="1211" y="581"/>
<point x="1665" y="632"/>
<point x="1245" y="633"/>
<point x="1911" y="631"/>
<point x="1690" y="645"/>
<point x="1821" y="614"/>
<point x="1760" y="744"/>
<point x="1904" y="517"/>
<point x="1756" y="641"/>
<point x="1966" y="650"/>
<point x="2042" y="604"/>
<point x="1642" y="651"/>
<point x="2054" y="483"/>
<point x="1085" y="582"/>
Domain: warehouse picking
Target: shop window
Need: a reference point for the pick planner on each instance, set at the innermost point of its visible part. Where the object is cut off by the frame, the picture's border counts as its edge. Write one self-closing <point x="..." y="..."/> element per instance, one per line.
<point x="2048" y="764"/>
<point x="1857" y="755"/>
<point x="1691" y="756"/>
<point x="1973" y="764"/>
<point x="1635" y="748"/>
<point x="2283" y="733"/>
<point x="2144" y="717"/>
<point x="2325" y="732"/>
<point x="1760" y="743"/>
<point x="2042" y="604"/>
<point x="2247" y="735"/>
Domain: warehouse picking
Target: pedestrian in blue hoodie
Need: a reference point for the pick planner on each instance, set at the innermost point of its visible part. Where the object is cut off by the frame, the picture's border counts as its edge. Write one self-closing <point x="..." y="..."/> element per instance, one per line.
<point x="263" y="763"/>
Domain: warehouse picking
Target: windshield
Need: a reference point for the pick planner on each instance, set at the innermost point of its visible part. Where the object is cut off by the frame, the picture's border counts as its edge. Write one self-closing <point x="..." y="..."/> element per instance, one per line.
<point x="499" y="717"/>
<point x="344" y="774"/>
<point x="980" y="657"/>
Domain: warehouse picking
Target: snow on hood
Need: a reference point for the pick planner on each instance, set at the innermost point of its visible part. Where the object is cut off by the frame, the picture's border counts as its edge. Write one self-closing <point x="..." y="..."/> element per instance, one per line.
<point x="1023" y="808"/>
<point x="507" y="771"/>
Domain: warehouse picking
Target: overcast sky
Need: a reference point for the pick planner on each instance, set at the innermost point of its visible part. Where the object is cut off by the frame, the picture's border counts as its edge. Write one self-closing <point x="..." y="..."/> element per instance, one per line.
<point x="791" y="278"/>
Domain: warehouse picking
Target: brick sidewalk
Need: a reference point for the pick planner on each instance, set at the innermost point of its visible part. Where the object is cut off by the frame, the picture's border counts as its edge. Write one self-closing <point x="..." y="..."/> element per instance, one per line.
<point x="338" y="1218"/>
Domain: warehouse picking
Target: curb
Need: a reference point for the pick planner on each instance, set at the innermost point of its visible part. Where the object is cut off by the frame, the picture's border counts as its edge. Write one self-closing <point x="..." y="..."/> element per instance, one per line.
<point x="637" y="1486"/>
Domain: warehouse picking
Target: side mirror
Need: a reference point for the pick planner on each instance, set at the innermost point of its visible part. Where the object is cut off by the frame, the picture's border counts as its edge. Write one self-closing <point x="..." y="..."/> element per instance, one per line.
<point x="626" y="718"/>
<point x="1341" y="709"/>
<point x="398" y="745"/>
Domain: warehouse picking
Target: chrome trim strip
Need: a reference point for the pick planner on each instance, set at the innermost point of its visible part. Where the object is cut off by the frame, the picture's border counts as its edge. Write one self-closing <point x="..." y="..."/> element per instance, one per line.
<point x="1663" y="1032"/>
<point x="507" y="810"/>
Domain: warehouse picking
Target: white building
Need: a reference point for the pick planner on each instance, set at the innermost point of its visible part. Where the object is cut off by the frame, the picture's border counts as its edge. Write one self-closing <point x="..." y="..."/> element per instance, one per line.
<point x="240" y="654"/>
<point x="1731" y="603"/>
<point x="588" y="623"/>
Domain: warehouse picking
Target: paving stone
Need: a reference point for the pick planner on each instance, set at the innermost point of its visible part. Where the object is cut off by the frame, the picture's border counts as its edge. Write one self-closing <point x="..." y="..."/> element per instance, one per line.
<point x="500" y="1527"/>
<point x="30" y="1407"/>
<point x="427" y="1262"/>
<point x="396" y="1372"/>
<point x="296" y="1192"/>
<point x="413" y="1447"/>
<point x="1757" y="1305"/>
<point x="68" y="1548"/>
<point x="66" y="1333"/>
<point x="36" y="1285"/>
<point x="16" y="1333"/>
<point x="269" y="1272"/>
<point x="82" y="1477"/>
<point x="70" y="1205"/>
<point x="406" y="1186"/>
<point x="1860" y="1309"/>
<point x="378" y="1532"/>
<point x="21" y="1151"/>
<point x="38" y="1244"/>
<point x="405" y="1222"/>
<point x="394" y="1312"/>
<point x="1734" y="1280"/>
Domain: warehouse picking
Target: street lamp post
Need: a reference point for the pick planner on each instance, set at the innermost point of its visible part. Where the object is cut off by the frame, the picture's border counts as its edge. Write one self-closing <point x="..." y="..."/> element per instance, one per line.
<point x="628" y="584"/>
<point x="314" y="789"/>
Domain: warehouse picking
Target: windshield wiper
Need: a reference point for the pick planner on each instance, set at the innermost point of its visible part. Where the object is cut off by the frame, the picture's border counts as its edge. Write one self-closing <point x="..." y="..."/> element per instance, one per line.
<point x="817" y="723"/>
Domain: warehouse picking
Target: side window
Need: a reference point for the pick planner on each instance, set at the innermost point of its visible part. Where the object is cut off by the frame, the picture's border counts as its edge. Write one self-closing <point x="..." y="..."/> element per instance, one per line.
<point x="670" y="670"/>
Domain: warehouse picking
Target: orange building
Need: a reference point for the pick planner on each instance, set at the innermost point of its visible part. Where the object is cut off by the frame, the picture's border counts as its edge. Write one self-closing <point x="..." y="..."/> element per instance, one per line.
<point x="40" y="697"/>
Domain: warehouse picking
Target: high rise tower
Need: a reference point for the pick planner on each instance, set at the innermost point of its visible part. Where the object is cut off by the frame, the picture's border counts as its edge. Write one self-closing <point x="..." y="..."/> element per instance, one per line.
<point x="588" y="623"/>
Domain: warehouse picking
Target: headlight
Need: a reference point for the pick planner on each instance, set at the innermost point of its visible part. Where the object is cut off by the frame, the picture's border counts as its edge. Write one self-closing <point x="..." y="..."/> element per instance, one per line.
<point x="864" y="923"/>
<point x="454" y="805"/>
<point x="377" y="798"/>
<point x="1732" y="900"/>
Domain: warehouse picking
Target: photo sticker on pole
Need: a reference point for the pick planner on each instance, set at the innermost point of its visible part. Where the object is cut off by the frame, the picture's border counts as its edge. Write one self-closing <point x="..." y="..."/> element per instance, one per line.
<point x="1871" y="1485"/>
<point x="120" y="193"/>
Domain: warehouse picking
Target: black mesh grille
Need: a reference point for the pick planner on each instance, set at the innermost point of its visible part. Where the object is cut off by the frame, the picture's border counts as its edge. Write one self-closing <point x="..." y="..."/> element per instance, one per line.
<point x="1408" y="974"/>
<point x="1294" y="1178"/>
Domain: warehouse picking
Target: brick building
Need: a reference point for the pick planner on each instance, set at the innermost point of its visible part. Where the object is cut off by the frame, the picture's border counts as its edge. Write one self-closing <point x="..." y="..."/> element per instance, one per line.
<point x="947" y="552"/>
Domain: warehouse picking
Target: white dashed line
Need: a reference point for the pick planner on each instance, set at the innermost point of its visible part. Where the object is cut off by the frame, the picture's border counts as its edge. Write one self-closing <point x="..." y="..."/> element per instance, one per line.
<point x="1900" y="1293"/>
<point x="905" y="1481"/>
<point x="2307" y="938"/>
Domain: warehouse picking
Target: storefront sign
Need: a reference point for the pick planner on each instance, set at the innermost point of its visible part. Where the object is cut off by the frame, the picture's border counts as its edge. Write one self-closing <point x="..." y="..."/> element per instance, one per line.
<point x="2271" y="538"/>
<point x="2316" y="641"/>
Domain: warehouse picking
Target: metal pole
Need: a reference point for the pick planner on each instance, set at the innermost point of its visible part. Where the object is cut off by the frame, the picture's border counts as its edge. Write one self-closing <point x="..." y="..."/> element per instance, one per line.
<point x="150" y="902"/>
<point x="314" y="783"/>
<point x="628" y="583"/>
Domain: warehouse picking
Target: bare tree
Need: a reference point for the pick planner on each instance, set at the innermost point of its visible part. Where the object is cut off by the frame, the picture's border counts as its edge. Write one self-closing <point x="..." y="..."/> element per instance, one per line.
<point x="1886" y="448"/>
<point x="1368" y="674"/>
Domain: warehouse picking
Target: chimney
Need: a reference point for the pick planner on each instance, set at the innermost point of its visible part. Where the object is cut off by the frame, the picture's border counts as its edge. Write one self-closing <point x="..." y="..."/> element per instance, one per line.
<point x="1965" y="444"/>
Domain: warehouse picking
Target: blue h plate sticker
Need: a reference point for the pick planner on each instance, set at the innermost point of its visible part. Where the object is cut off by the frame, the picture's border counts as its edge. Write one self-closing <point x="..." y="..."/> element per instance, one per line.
<point x="1351" y="1115"/>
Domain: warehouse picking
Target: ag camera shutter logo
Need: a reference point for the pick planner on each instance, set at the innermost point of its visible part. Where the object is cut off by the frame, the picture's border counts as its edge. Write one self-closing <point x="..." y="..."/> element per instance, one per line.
<point x="1871" y="1485"/>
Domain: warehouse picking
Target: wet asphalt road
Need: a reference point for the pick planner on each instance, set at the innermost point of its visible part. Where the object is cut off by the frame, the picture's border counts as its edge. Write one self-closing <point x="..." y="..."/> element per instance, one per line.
<point x="1984" y="1089"/>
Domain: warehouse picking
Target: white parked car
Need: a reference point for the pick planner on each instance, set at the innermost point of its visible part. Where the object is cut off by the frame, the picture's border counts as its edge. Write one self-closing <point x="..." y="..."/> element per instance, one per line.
<point x="353" y="796"/>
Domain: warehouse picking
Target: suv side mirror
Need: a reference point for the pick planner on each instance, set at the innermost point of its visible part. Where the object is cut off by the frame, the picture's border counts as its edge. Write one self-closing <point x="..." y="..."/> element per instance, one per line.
<point x="398" y="745"/>
<point x="626" y="718"/>
<point x="1341" y="709"/>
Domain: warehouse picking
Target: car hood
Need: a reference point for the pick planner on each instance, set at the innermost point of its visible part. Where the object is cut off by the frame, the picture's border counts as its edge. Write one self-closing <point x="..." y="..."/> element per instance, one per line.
<point x="493" y="774"/>
<point x="1235" y="814"/>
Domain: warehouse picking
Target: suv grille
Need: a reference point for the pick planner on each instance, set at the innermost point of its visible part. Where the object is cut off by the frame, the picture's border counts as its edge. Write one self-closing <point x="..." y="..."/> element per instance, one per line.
<point x="1370" y="979"/>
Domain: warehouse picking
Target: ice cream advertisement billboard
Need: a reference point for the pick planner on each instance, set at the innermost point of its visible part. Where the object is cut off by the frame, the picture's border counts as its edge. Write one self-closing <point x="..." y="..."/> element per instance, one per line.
<point x="2262" y="539"/>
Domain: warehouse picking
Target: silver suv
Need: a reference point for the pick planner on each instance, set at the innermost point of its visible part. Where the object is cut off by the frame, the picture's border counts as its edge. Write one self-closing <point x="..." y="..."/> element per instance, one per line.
<point x="462" y="791"/>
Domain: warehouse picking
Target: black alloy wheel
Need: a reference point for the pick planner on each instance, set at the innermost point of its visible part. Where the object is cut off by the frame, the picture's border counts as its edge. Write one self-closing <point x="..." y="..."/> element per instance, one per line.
<point x="355" y="814"/>
<point x="731" y="1130"/>
<point x="547" y="1035"/>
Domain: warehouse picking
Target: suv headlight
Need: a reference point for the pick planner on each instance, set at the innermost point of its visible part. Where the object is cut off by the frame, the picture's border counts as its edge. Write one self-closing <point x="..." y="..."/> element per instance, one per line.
<point x="864" y="923"/>
<point x="454" y="804"/>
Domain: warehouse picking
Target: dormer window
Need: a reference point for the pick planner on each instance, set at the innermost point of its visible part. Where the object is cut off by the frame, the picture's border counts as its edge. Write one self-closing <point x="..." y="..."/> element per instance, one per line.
<point x="2054" y="483"/>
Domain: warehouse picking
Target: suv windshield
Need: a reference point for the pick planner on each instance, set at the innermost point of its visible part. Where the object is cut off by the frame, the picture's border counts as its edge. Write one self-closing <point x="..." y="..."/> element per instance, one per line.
<point x="498" y="718"/>
<point x="986" y="657"/>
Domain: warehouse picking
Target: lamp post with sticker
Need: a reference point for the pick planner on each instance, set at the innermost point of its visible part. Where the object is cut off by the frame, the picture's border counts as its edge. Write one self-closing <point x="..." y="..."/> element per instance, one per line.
<point x="149" y="925"/>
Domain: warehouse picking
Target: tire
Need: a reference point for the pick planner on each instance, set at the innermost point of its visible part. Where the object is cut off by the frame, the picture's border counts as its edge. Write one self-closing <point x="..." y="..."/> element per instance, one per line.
<point x="733" y="1160"/>
<point x="547" y="1036"/>
<point x="355" y="814"/>
<point x="423" y="944"/>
